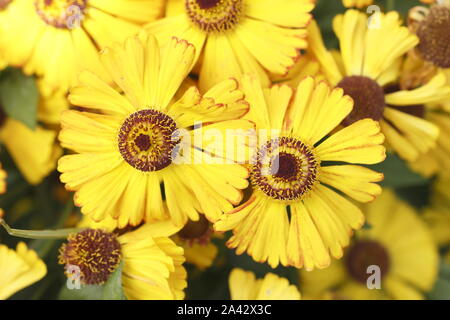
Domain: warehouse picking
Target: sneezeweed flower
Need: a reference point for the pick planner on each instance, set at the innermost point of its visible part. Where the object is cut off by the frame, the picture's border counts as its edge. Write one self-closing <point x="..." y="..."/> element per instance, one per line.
<point x="367" y="68"/>
<point x="72" y="30"/>
<point x="244" y="286"/>
<point x="195" y="238"/>
<point x="128" y="156"/>
<point x="292" y="217"/>
<point x="356" y="3"/>
<point x="432" y="26"/>
<point x="152" y="263"/>
<point x="395" y="256"/>
<point x="233" y="37"/>
<point x="19" y="269"/>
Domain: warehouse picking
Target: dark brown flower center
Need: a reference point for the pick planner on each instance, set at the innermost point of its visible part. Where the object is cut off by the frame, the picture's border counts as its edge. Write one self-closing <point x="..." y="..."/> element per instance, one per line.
<point x="147" y="140"/>
<point x="214" y="15"/>
<point x="63" y="14"/>
<point x="363" y="254"/>
<point x="207" y="4"/>
<point x="287" y="167"/>
<point x="434" y="35"/>
<point x="284" y="169"/>
<point x="368" y="98"/>
<point x="196" y="231"/>
<point x="95" y="252"/>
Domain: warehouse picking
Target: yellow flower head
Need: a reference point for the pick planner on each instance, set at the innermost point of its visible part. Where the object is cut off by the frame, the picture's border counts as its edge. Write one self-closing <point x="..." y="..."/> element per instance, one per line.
<point x="368" y="69"/>
<point x="237" y="36"/>
<point x="132" y="161"/>
<point x="395" y="256"/>
<point x="19" y="269"/>
<point x="292" y="217"/>
<point x="152" y="263"/>
<point x="432" y="26"/>
<point x="244" y="286"/>
<point x="58" y="38"/>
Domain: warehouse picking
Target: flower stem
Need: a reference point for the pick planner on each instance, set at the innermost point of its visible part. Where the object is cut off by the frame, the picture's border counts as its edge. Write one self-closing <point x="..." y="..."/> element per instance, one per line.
<point x="38" y="234"/>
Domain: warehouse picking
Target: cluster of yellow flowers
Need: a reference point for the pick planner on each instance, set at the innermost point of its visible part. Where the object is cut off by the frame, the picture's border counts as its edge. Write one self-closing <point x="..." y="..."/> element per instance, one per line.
<point x="185" y="119"/>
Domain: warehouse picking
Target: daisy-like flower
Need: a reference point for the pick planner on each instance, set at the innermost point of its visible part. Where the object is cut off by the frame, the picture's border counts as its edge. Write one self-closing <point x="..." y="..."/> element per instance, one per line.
<point x="19" y="269"/>
<point x="233" y="37"/>
<point x="396" y="249"/>
<point x="195" y="238"/>
<point x="368" y="69"/>
<point x="292" y="217"/>
<point x="244" y="286"/>
<point x="432" y="26"/>
<point x="356" y="3"/>
<point x="71" y="30"/>
<point x="130" y="156"/>
<point x="152" y="263"/>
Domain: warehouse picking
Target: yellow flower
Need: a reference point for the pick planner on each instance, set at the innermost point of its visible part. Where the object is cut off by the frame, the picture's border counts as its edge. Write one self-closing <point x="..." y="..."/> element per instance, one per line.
<point x="130" y="164"/>
<point x="152" y="262"/>
<point x="397" y="242"/>
<point x="356" y="3"/>
<point x="19" y="269"/>
<point x="35" y="152"/>
<point x="244" y="286"/>
<point x="368" y="69"/>
<point x="237" y="36"/>
<point x="195" y="238"/>
<point x="291" y="216"/>
<point x="56" y="39"/>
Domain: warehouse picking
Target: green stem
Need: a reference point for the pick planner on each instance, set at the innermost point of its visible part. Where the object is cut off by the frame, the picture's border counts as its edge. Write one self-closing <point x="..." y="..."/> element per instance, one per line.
<point x="39" y="234"/>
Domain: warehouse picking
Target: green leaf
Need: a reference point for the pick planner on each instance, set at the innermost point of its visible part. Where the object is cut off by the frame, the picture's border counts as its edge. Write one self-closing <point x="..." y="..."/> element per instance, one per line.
<point x="19" y="96"/>
<point x="441" y="290"/>
<point x="397" y="174"/>
<point x="111" y="290"/>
